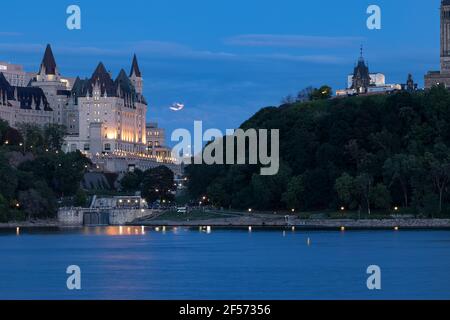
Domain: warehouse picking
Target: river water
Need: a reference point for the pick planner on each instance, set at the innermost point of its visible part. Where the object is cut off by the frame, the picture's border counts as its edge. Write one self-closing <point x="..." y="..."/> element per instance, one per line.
<point x="182" y="263"/>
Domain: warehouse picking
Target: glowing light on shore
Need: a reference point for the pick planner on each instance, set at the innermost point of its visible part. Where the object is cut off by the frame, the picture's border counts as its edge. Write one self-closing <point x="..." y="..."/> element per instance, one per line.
<point x="342" y="228"/>
<point x="293" y="228"/>
<point x="396" y="228"/>
<point x="17" y="231"/>
<point x="208" y="229"/>
<point x="250" y="228"/>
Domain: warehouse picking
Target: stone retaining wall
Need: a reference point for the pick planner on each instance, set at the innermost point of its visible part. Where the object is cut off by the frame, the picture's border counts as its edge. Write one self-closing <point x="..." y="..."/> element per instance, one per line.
<point x="334" y="224"/>
<point x="74" y="216"/>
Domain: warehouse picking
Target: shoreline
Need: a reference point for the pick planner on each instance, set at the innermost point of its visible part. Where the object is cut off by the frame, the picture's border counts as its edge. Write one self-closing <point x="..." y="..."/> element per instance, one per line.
<point x="309" y="224"/>
<point x="48" y="223"/>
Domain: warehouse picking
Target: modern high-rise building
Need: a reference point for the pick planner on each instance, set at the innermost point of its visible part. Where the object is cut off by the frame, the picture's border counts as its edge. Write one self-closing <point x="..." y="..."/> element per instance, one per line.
<point x="433" y="78"/>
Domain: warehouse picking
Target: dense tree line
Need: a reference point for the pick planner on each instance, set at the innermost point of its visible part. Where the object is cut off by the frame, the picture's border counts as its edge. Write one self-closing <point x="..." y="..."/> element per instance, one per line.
<point x="362" y="153"/>
<point x="155" y="184"/>
<point x="34" y="172"/>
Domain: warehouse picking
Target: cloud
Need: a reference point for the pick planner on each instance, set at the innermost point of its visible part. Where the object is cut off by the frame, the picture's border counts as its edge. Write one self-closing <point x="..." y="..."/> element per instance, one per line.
<point x="22" y="47"/>
<point x="10" y="34"/>
<point x="177" y="50"/>
<point x="328" y="59"/>
<point x="291" y="41"/>
<point x="163" y="50"/>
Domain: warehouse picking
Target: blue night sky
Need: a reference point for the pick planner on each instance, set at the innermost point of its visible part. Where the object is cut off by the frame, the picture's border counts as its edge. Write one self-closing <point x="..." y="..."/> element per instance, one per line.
<point x="224" y="59"/>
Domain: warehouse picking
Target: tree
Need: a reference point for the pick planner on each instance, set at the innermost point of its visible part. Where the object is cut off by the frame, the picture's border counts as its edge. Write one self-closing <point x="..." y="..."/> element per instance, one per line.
<point x="54" y="136"/>
<point x="32" y="135"/>
<point x="12" y="136"/>
<point x="3" y="129"/>
<point x="363" y="185"/>
<point x="69" y="171"/>
<point x="33" y="204"/>
<point x="323" y="93"/>
<point x="80" y="199"/>
<point x="8" y="179"/>
<point x="267" y="191"/>
<point x="289" y="99"/>
<point x="158" y="184"/>
<point x="438" y="164"/>
<point x="345" y="188"/>
<point x="293" y="197"/>
<point x="218" y="193"/>
<point x="355" y="191"/>
<point x="4" y="209"/>
<point x="305" y="94"/>
<point x="400" y="168"/>
<point x="132" y="181"/>
<point x="380" y="196"/>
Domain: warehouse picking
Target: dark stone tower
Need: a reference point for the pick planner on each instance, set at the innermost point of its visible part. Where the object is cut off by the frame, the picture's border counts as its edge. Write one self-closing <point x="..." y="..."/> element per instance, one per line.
<point x="442" y="77"/>
<point x="445" y="36"/>
<point x="361" y="75"/>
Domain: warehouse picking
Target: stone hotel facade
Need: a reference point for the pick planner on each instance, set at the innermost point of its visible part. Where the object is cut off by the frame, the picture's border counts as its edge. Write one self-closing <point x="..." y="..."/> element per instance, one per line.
<point x="105" y="117"/>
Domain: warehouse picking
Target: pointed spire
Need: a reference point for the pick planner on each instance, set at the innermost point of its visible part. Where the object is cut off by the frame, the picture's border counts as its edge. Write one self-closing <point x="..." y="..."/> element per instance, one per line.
<point x="48" y="65"/>
<point x="135" y="68"/>
<point x="100" y="70"/>
<point x="102" y="79"/>
<point x="361" y="53"/>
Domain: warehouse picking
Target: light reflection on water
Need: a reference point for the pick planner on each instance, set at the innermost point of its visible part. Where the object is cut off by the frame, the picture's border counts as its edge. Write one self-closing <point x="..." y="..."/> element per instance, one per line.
<point x="135" y="262"/>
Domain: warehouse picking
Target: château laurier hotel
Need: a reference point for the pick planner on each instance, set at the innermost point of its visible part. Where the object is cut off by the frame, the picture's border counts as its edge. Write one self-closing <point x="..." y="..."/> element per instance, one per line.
<point x="105" y="118"/>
